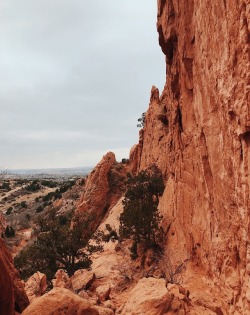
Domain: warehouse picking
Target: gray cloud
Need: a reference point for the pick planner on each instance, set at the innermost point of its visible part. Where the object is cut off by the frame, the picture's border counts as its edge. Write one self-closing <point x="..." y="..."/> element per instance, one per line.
<point x="75" y="76"/>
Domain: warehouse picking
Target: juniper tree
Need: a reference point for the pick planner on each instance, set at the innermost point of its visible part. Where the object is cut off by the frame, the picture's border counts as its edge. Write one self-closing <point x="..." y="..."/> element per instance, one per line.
<point x="57" y="246"/>
<point x="140" y="218"/>
<point x="141" y="120"/>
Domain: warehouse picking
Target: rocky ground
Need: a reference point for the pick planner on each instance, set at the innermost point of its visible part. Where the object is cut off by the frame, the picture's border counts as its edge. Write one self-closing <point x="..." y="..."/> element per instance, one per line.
<point x="115" y="284"/>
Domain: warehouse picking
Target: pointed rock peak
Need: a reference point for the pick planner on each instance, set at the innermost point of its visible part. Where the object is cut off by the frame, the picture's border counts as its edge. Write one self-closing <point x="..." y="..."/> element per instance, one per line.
<point x="109" y="157"/>
<point x="154" y="94"/>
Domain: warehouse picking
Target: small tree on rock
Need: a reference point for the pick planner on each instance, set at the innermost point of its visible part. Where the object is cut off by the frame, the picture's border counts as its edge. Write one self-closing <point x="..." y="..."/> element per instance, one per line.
<point x="140" y="218"/>
<point x="9" y="231"/>
<point x="141" y="120"/>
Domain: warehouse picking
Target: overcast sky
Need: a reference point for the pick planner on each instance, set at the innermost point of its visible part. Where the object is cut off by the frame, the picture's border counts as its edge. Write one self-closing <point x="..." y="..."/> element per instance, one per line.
<point x="75" y="75"/>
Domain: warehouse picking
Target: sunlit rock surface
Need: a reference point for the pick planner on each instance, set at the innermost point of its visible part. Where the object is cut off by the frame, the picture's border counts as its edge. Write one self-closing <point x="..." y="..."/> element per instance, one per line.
<point x="198" y="133"/>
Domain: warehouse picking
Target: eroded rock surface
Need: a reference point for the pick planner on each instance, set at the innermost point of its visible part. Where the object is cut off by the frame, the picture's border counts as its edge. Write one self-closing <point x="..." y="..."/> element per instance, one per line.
<point x="12" y="294"/>
<point x="103" y="188"/>
<point x="151" y="297"/>
<point x="62" y="280"/>
<point x="82" y="280"/>
<point x="198" y="133"/>
<point x="60" y="301"/>
<point x="36" y="285"/>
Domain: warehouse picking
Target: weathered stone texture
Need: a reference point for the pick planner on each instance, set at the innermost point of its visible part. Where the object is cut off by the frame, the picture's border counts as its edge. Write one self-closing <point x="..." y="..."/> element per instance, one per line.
<point x="103" y="188"/>
<point x="198" y="133"/>
<point x="36" y="286"/>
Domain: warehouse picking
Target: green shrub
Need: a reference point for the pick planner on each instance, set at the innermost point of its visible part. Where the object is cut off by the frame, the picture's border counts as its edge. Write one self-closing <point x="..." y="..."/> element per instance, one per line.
<point x="125" y="161"/>
<point x="28" y="216"/>
<point x="23" y="204"/>
<point x="140" y="218"/>
<point x="9" y="231"/>
<point x="63" y="220"/>
<point x="133" y="251"/>
<point x="141" y="121"/>
<point x="57" y="247"/>
<point x="110" y="235"/>
<point x="9" y="210"/>
<point x="39" y="209"/>
<point x="48" y="183"/>
<point x="34" y="186"/>
<point x="5" y="186"/>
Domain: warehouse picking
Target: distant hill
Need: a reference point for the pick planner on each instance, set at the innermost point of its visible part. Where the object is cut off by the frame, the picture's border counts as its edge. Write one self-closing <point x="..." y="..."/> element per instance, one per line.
<point x="50" y="172"/>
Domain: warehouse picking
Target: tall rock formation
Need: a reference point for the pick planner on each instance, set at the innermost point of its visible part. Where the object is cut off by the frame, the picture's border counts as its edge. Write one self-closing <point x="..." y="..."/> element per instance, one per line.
<point x="103" y="188"/>
<point x="198" y="133"/>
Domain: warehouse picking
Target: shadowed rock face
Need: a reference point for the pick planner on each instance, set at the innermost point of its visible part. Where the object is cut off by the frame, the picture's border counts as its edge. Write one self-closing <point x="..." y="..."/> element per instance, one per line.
<point x="12" y="294"/>
<point x="198" y="133"/>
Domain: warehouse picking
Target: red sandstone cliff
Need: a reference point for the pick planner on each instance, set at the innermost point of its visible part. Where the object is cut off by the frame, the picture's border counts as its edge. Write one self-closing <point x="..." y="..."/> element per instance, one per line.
<point x="198" y="133"/>
<point x="12" y="294"/>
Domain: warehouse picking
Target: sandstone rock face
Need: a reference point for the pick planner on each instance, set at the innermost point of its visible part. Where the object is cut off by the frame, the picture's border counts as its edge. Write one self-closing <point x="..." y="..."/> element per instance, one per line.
<point x="62" y="280"/>
<point x="12" y="294"/>
<point x="104" y="311"/>
<point x="151" y="297"/>
<point x="198" y="133"/>
<point x="36" y="285"/>
<point x="103" y="188"/>
<point x="82" y="280"/>
<point x="60" y="301"/>
<point x="103" y="292"/>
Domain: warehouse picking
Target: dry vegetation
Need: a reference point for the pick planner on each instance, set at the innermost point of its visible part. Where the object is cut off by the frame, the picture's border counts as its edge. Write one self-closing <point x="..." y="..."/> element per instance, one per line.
<point x="23" y="201"/>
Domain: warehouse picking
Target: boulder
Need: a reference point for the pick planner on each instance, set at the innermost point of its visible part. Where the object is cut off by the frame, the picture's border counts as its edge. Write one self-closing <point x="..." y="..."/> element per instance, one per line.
<point x="36" y="285"/>
<point x="60" y="301"/>
<point x="103" y="292"/>
<point x="62" y="280"/>
<point x="109" y="304"/>
<point x="151" y="297"/>
<point x="82" y="280"/>
<point x="104" y="311"/>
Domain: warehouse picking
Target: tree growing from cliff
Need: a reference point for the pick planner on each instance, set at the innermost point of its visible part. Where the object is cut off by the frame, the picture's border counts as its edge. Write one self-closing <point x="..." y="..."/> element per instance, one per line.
<point x="141" y="120"/>
<point x="57" y="247"/>
<point x="140" y="218"/>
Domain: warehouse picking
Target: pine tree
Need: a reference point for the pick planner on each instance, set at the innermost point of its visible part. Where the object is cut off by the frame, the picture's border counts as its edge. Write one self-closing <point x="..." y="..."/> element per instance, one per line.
<point x="140" y="218"/>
